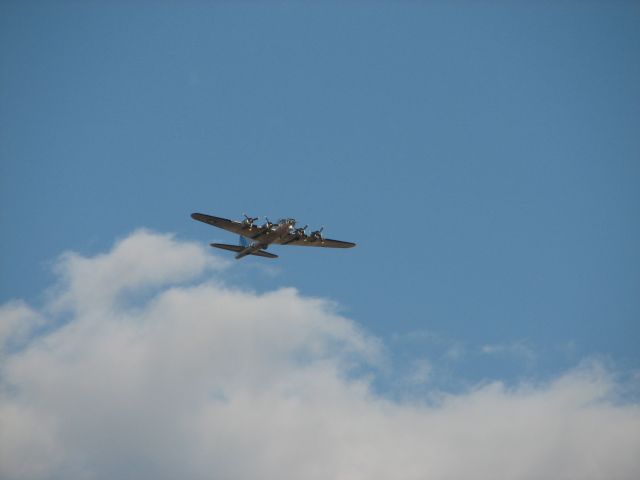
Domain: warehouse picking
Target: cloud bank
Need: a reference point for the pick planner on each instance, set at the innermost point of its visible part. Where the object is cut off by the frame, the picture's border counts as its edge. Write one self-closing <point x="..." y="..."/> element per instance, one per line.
<point x="144" y="364"/>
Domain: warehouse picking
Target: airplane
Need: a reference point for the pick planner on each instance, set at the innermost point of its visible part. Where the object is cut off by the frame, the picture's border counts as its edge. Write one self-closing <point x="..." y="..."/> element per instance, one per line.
<point x="255" y="239"/>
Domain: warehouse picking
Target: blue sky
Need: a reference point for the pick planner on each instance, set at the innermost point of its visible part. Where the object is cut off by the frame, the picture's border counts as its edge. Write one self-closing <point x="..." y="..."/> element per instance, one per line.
<point x="484" y="156"/>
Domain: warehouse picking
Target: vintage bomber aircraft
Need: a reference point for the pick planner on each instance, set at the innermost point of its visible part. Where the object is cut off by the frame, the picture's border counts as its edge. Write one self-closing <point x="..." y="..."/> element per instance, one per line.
<point x="254" y="239"/>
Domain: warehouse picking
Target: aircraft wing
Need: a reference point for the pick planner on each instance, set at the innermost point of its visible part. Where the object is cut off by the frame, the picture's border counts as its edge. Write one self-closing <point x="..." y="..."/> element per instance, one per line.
<point x="327" y="243"/>
<point x="229" y="225"/>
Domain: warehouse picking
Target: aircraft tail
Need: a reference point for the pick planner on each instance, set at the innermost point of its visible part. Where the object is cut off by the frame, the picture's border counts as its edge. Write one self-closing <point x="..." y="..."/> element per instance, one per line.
<point x="238" y="249"/>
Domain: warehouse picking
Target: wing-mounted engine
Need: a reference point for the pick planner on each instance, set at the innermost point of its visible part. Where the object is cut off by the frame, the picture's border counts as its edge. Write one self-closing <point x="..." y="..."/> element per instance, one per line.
<point x="299" y="233"/>
<point x="316" y="235"/>
<point x="248" y="221"/>
<point x="267" y="224"/>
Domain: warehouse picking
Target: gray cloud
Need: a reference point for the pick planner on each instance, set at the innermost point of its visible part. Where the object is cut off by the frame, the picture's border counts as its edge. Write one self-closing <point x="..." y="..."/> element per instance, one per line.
<point x="201" y="380"/>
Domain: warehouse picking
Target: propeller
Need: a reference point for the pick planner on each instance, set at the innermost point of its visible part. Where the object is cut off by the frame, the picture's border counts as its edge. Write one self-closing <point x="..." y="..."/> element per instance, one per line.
<point x="302" y="232"/>
<point x="248" y="220"/>
<point x="268" y="224"/>
<point x="317" y="235"/>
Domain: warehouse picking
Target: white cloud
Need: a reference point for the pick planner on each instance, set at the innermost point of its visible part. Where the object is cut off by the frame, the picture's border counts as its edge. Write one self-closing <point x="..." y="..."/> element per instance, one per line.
<point x="141" y="261"/>
<point x="515" y="349"/>
<point x="448" y="349"/>
<point x="206" y="381"/>
<point x="420" y="372"/>
<point x="455" y="352"/>
<point x="17" y="321"/>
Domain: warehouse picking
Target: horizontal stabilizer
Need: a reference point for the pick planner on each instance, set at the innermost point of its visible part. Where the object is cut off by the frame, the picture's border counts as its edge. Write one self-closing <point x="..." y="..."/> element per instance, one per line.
<point x="262" y="253"/>
<point x="239" y="248"/>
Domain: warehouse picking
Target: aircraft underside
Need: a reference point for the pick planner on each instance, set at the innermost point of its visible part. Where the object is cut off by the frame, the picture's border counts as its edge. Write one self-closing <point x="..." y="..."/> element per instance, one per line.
<point x="254" y="239"/>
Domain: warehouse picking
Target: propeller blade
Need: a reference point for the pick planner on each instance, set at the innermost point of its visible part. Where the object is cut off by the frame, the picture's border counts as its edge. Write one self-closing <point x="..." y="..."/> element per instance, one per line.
<point x="249" y="220"/>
